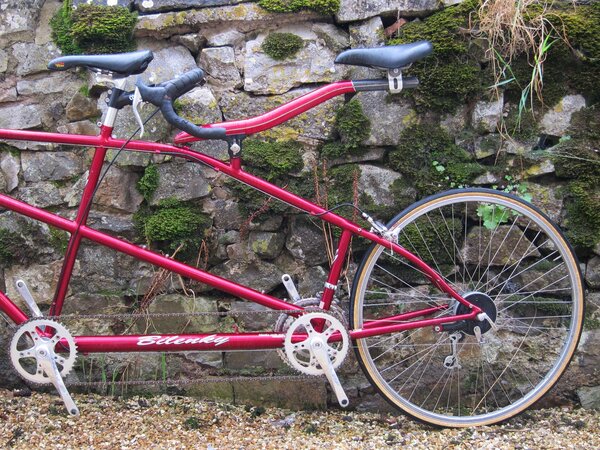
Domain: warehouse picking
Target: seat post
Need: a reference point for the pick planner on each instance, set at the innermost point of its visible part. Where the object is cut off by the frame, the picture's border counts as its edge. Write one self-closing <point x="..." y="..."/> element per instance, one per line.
<point x="117" y="90"/>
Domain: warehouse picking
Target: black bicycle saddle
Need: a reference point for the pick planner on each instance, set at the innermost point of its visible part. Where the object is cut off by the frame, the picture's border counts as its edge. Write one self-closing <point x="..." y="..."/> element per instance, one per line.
<point x="123" y="64"/>
<point x="390" y="57"/>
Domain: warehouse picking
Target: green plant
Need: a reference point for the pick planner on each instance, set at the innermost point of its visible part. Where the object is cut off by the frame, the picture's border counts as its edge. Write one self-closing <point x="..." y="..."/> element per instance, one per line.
<point x="429" y="158"/>
<point x="453" y="73"/>
<point x="172" y="225"/>
<point x="93" y="29"/>
<point x="61" y="24"/>
<point x="353" y="126"/>
<point x="280" y="46"/>
<point x="148" y="184"/>
<point x="494" y="215"/>
<point x="59" y="239"/>
<point x="273" y="159"/>
<point x="287" y="6"/>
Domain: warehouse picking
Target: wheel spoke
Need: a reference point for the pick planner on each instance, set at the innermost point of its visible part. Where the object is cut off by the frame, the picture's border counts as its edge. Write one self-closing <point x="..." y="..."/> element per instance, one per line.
<point x="518" y="270"/>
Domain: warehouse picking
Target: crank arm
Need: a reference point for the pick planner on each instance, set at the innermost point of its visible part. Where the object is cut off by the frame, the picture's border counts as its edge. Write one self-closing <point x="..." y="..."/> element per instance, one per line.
<point x="24" y="291"/>
<point x="46" y="361"/>
<point x="320" y="352"/>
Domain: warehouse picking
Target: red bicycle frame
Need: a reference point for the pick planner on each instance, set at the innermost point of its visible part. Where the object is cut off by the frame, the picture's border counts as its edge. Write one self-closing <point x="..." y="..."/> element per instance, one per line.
<point x="79" y="230"/>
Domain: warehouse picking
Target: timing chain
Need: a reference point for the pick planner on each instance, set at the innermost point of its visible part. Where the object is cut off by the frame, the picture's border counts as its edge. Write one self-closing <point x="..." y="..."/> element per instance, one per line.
<point x="182" y="383"/>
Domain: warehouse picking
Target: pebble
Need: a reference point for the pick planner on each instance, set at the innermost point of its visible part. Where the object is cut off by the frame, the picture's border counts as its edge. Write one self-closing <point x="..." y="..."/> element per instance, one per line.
<point x="170" y="422"/>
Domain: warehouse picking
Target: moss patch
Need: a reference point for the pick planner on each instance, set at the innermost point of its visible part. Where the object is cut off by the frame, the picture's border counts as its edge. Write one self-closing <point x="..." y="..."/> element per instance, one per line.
<point x="429" y="158"/>
<point x="452" y="74"/>
<point x="272" y="159"/>
<point x="148" y="184"/>
<point x="287" y="6"/>
<point x="280" y="46"/>
<point x="93" y="29"/>
<point x="353" y="126"/>
<point x="577" y="159"/>
<point x="171" y="224"/>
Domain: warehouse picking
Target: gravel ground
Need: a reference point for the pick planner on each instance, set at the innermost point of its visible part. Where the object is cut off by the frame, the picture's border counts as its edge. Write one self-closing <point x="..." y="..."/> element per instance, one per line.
<point x="169" y="422"/>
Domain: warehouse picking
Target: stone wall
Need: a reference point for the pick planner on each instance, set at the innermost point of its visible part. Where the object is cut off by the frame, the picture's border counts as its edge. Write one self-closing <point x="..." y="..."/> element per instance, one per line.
<point x="235" y="234"/>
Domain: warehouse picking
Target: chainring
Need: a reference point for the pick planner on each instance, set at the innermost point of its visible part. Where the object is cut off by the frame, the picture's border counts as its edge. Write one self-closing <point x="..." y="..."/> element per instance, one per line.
<point x="310" y="304"/>
<point x="301" y="354"/>
<point x="23" y="349"/>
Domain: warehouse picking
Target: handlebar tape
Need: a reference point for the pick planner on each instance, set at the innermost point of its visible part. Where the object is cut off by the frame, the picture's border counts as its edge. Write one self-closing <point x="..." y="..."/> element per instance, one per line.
<point x="164" y="94"/>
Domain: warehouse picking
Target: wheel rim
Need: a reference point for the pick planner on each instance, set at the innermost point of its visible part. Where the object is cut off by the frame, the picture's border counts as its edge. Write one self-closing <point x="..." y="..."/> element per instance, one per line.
<point x="517" y="259"/>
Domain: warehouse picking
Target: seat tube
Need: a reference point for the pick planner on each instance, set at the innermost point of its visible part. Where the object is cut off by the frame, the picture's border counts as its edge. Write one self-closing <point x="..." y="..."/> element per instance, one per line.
<point x="336" y="269"/>
<point x="84" y="208"/>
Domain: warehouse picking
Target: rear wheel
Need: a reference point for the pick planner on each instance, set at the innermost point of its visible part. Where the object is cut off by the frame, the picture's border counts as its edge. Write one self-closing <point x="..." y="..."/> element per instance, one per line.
<point x="502" y="254"/>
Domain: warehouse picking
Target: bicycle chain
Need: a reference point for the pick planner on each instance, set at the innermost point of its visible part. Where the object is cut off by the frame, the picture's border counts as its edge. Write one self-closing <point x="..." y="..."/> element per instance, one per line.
<point x="181" y="383"/>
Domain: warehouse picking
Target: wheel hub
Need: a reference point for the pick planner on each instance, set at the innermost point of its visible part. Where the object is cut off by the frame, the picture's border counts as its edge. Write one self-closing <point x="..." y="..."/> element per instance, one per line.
<point x="487" y="306"/>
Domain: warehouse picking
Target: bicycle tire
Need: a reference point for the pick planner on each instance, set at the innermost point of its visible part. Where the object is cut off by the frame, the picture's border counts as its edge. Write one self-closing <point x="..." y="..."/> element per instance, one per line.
<point x="519" y="260"/>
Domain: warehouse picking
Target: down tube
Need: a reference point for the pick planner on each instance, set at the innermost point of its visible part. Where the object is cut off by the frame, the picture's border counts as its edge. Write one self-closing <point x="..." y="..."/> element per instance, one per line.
<point x="184" y="270"/>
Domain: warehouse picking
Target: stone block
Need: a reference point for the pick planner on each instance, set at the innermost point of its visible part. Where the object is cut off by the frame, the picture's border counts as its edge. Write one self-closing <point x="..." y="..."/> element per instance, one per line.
<point x="21" y="117"/>
<point x="81" y="107"/>
<point x="352" y="10"/>
<point x="176" y="303"/>
<point x="487" y="115"/>
<point x="377" y="182"/>
<point x="18" y="19"/>
<point x="50" y="166"/>
<point x="43" y="194"/>
<point x="152" y="6"/>
<point x="389" y="116"/>
<point x="32" y="58"/>
<point x="266" y="245"/>
<point x="243" y="17"/>
<point x="10" y="165"/>
<point x="313" y="63"/>
<point x="219" y="65"/>
<point x="185" y="181"/>
<point x="369" y="33"/>
<point x="305" y="242"/>
<point x="556" y="122"/>
<point x="118" y="191"/>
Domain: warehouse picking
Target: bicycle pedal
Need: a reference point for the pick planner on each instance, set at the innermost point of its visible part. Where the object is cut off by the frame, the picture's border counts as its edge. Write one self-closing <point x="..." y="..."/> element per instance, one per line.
<point x="31" y="304"/>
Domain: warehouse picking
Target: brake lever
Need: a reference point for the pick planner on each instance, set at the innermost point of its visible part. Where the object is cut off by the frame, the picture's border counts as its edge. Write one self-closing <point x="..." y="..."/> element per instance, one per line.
<point x="137" y="99"/>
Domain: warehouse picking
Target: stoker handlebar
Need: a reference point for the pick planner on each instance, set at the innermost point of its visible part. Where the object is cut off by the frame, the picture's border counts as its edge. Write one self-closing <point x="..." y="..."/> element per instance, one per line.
<point x="164" y="94"/>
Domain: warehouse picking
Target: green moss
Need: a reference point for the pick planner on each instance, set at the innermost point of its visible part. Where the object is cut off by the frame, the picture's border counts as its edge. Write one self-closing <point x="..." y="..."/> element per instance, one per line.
<point x="148" y="184"/>
<point x="172" y="224"/>
<point x="59" y="239"/>
<point x="429" y="158"/>
<point x="61" y="24"/>
<point x="572" y="67"/>
<point x="85" y="90"/>
<point x="93" y="29"/>
<point x="333" y="150"/>
<point x="273" y="159"/>
<point x="286" y="6"/>
<point x="424" y="238"/>
<point x="452" y="74"/>
<point x="577" y="159"/>
<point x="281" y="46"/>
<point x="353" y="126"/>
